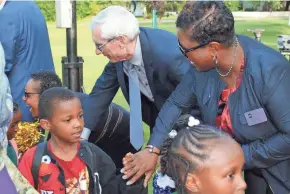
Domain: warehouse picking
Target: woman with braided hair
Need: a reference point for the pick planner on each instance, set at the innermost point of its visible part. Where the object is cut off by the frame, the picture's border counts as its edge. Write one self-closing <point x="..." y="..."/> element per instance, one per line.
<point x="201" y="159"/>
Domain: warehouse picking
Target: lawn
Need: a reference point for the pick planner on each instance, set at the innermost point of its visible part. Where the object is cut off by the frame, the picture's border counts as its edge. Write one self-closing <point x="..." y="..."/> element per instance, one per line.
<point x="94" y="65"/>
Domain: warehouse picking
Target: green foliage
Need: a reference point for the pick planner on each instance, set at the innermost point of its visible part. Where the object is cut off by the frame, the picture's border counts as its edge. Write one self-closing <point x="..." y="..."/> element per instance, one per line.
<point x="275" y="5"/>
<point x="268" y="5"/>
<point x="233" y="5"/>
<point x="88" y="7"/>
<point x="48" y="9"/>
<point x="84" y="8"/>
<point x="163" y="6"/>
<point x="97" y="6"/>
<point x="175" y="6"/>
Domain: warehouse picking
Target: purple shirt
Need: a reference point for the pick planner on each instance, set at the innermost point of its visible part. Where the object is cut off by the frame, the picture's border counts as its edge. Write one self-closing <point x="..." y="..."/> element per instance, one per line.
<point x="6" y="183"/>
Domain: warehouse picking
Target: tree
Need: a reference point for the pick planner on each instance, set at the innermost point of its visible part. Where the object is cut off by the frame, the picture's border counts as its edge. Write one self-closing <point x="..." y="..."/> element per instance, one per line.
<point x="287" y="5"/>
<point x="162" y="6"/>
<point x="158" y="5"/>
<point x="234" y="5"/>
<point x="269" y="5"/>
<point x="272" y="5"/>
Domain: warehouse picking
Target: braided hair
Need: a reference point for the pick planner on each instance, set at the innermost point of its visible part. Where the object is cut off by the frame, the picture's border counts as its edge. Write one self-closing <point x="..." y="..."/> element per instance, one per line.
<point x="187" y="151"/>
<point x="208" y="21"/>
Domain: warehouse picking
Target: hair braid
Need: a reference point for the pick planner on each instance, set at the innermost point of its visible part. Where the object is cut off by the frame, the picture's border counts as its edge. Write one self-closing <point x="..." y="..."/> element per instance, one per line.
<point x="187" y="151"/>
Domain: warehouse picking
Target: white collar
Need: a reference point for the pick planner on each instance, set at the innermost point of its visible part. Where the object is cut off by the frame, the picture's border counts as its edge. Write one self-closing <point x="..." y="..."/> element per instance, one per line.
<point x="137" y="56"/>
<point x="2" y="4"/>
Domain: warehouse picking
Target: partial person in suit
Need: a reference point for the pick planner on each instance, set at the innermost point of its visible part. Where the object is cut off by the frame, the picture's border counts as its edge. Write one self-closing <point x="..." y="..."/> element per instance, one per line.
<point x="11" y="180"/>
<point x="241" y="86"/>
<point x="111" y="133"/>
<point x="24" y="36"/>
<point x="147" y="65"/>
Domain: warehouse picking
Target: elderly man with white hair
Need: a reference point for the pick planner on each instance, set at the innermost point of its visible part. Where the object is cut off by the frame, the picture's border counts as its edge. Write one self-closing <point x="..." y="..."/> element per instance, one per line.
<point x="147" y="65"/>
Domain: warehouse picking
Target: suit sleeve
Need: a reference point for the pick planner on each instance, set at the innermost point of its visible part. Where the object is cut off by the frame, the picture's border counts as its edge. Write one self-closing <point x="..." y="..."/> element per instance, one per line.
<point x="180" y="101"/>
<point x="178" y="69"/>
<point x="112" y="183"/>
<point x="268" y="152"/>
<point x="101" y="96"/>
<point x="10" y="45"/>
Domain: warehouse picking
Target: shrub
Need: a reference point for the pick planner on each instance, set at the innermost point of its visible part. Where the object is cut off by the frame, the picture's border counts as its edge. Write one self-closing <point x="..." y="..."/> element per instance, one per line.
<point x="84" y="8"/>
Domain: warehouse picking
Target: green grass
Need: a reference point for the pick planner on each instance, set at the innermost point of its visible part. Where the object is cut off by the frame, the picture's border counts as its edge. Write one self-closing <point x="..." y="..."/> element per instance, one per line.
<point x="94" y="65"/>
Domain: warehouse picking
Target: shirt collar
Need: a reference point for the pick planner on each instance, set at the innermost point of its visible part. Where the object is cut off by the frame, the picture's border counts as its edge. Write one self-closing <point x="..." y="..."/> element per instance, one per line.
<point x="2" y="4"/>
<point x="137" y="56"/>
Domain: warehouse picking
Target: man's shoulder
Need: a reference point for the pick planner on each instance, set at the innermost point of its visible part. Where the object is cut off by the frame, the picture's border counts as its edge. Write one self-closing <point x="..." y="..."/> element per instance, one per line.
<point x="153" y="32"/>
<point x="21" y="6"/>
<point x="18" y="11"/>
<point x="159" y="41"/>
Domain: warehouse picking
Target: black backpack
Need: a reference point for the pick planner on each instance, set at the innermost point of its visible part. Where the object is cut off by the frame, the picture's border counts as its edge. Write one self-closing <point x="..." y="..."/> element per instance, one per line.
<point x="39" y="152"/>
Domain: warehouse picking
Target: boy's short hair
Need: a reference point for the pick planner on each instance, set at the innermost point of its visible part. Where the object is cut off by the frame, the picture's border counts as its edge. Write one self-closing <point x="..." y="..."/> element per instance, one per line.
<point x="15" y="107"/>
<point x="47" y="80"/>
<point x="51" y="97"/>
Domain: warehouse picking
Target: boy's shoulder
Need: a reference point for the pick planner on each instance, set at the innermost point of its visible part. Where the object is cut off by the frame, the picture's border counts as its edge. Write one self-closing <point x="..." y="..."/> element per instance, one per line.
<point x="95" y="152"/>
<point x="92" y="147"/>
<point x="30" y="152"/>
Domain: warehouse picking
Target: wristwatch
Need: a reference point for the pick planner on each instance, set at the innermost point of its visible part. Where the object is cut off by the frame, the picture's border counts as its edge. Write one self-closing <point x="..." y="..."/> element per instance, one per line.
<point x="153" y="149"/>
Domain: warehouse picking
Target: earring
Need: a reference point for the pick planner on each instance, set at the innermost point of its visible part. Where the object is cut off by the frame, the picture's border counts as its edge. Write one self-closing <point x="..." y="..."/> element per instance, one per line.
<point x="215" y="60"/>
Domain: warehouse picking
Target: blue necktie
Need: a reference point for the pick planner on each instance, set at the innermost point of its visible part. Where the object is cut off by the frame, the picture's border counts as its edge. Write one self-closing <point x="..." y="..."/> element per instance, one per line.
<point x="136" y="128"/>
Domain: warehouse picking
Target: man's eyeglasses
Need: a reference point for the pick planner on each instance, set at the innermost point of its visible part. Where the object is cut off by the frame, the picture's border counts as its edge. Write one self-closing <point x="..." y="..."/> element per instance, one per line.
<point x="27" y="94"/>
<point x="100" y="47"/>
<point x="184" y="51"/>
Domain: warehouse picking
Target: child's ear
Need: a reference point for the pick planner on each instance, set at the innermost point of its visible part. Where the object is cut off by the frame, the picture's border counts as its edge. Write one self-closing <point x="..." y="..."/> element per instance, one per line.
<point x="193" y="183"/>
<point x="45" y="124"/>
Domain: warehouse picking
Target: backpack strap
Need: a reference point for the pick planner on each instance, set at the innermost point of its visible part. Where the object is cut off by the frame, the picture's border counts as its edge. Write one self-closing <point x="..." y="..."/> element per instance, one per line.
<point x="95" y="175"/>
<point x="87" y="147"/>
<point x="39" y="152"/>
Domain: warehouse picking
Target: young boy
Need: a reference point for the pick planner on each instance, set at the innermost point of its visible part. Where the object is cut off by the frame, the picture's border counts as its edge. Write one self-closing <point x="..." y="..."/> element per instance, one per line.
<point x="69" y="165"/>
<point x="12" y="151"/>
<point x="112" y="132"/>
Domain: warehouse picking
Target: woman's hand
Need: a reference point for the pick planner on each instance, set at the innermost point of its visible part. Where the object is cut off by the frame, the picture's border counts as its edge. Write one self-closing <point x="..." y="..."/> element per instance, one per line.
<point x="135" y="166"/>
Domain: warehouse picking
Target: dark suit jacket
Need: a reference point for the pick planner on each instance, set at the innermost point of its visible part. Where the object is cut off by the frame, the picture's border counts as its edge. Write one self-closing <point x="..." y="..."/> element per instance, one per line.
<point x="265" y="85"/>
<point x="112" y="132"/>
<point x="24" y="36"/>
<point x="164" y="66"/>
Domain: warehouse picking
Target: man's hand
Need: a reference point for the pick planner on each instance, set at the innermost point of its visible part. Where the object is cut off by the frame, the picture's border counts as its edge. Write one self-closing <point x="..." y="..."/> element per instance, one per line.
<point x="143" y="162"/>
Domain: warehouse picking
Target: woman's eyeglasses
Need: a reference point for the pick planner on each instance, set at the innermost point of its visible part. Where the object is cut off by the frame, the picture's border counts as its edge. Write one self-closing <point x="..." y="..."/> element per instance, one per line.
<point x="27" y="94"/>
<point x="184" y="51"/>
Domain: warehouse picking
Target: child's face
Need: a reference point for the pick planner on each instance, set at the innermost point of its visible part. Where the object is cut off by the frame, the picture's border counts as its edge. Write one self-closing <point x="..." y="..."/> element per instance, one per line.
<point x="31" y="96"/>
<point x="222" y="172"/>
<point x="13" y="127"/>
<point x="67" y="121"/>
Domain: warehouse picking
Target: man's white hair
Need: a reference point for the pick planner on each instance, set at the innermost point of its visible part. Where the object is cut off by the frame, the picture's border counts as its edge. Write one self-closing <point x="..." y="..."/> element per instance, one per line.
<point x="115" y="21"/>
